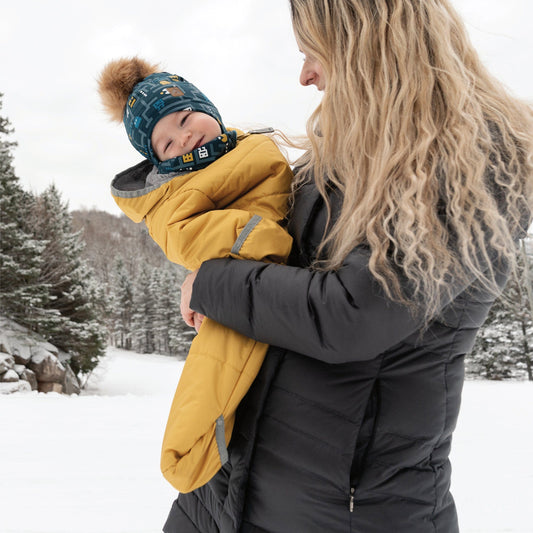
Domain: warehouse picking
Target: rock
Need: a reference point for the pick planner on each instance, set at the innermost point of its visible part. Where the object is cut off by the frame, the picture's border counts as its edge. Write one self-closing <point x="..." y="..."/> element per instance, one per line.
<point x="64" y="357"/>
<point x="71" y="385"/>
<point x="50" y="387"/>
<point x="34" y="362"/>
<point x="15" y="340"/>
<point x="29" y="376"/>
<point x="16" y="386"/>
<point x="6" y="362"/>
<point x="9" y="377"/>
<point x="47" y="367"/>
<point x="46" y="346"/>
<point x="21" y="353"/>
<point x="8" y="325"/>
<point x="5" y="345"/>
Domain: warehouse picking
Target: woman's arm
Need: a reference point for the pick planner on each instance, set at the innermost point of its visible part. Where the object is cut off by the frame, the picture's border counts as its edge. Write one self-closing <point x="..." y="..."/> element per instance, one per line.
<point x="336" y="317"/>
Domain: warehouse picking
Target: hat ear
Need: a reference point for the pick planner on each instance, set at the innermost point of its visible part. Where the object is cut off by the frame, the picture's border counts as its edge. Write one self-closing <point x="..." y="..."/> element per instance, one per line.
<point x="117" y="80"/>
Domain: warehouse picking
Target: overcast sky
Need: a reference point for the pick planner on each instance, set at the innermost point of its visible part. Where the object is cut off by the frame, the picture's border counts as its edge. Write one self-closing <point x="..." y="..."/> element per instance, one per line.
<point x="241" y="53"/>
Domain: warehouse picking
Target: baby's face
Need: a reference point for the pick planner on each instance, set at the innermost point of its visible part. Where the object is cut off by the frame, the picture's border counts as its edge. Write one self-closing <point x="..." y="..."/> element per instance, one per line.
<point x="181" y="132"/>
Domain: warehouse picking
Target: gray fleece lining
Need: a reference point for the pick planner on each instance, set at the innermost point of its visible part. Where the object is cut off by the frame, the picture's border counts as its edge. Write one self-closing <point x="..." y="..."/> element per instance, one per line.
<point x="140" y="180"/>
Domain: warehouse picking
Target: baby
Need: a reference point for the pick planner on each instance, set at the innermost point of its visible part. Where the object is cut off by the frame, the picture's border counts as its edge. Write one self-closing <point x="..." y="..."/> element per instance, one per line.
<point x="204" y="191"/>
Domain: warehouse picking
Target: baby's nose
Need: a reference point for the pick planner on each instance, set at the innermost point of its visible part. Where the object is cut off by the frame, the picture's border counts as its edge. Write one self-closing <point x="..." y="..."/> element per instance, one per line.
<point x="185" y="136"/>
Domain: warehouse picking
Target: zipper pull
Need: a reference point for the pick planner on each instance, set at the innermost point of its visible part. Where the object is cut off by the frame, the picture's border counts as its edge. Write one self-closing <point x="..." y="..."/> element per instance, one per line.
<point x="261" y="130"/>
<point x="256" y="131"/>
<point x="352" y="496"/>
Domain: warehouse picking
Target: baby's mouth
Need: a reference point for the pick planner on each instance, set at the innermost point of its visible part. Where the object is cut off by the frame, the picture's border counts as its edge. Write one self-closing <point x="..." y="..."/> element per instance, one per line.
<point x="199" y="143"/>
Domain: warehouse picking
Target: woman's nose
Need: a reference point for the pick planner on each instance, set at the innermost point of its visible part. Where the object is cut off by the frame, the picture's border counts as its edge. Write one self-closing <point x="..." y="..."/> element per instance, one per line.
<point x="307" y="76"/>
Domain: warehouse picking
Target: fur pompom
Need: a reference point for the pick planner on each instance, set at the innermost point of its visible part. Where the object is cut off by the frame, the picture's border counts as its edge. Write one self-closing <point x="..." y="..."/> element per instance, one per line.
<point x="117" y="80"/>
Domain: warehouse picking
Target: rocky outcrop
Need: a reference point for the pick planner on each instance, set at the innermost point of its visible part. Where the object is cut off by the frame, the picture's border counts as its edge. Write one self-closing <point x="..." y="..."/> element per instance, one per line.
<point x="46" y="365"/>
<point x="6" y="362"/>
<point x="28" y="362"/>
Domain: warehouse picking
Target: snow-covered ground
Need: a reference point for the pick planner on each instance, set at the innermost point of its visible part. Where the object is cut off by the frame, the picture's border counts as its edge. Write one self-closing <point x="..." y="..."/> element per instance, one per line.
<point x="90" y="463"/>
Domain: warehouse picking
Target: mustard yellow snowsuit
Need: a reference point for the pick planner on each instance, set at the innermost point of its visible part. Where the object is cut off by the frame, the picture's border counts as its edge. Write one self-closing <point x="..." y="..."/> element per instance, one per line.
<point x="233" y="207"/>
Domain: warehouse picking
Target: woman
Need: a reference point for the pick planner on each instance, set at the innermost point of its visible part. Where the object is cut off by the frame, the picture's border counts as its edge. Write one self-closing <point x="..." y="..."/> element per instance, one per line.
<point x="407" y="207"/>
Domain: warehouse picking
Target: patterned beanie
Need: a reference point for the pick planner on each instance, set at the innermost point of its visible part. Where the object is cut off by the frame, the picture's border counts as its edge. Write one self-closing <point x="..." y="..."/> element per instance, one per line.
<point x="159" y="95"/>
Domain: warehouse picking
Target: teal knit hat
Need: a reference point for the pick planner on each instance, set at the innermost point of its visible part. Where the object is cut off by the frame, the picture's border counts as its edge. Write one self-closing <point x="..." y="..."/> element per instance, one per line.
<point x="159" y="95"/>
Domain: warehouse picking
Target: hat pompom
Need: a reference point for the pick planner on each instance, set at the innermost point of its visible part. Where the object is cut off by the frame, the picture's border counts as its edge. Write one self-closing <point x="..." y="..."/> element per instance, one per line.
<point x="117" y="80"/>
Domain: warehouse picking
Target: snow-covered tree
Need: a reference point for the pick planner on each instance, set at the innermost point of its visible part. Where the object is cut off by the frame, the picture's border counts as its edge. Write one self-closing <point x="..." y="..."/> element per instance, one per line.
<point x="161" y="304"/>
<point x="144" y="318"/>
<point x="22" y="293"/>
<point x="171" y="331"/>
<point x="123" y="307"/>
<point x="77" y="327"/>
<point x="504" y="346"/>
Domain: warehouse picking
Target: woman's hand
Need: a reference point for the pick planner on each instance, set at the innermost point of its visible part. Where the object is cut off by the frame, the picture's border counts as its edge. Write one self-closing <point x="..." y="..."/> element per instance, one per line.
<point x="191" y="318"/>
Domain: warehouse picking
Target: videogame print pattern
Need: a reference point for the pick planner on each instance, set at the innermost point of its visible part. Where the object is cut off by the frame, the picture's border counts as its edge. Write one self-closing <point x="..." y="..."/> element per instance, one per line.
<point x="202" y="156"/>
<point x="159" y="95"/>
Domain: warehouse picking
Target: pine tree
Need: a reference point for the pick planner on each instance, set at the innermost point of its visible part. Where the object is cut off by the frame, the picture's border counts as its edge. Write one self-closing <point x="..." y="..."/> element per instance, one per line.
<point x="22" y="293"/>
<point x="123" y="254"/>
<point x="161" y="308"/>
<point x="144" y="315"/>
<point x="504" y="346"/>
<point x="170" y="327"/>
<point x="180" y="335"/>
<point x="123" y="307"/>
<point x="77" y="324"/>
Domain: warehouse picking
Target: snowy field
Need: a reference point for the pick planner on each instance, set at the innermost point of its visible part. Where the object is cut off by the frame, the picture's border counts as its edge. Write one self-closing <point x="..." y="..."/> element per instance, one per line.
<point x="90" y="463"/>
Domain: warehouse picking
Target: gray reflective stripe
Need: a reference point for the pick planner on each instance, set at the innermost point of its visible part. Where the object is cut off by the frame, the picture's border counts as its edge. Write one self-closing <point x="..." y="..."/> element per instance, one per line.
<point x="221" y="440"/>
<point x="243" y="235"/>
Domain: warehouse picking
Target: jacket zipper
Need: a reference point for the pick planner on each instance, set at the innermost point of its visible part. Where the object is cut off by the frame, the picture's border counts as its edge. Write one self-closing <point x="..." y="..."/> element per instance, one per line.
<point x="254" y="132"/>
<point x="352" y="498"/>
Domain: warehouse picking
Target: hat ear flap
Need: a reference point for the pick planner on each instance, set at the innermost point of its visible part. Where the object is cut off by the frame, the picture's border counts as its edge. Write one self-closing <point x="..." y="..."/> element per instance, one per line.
<point x="117" y="80"/>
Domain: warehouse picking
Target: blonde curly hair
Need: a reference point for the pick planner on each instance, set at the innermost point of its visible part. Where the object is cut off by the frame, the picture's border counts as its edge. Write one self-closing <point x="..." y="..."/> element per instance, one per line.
<point x="432" y="155"/>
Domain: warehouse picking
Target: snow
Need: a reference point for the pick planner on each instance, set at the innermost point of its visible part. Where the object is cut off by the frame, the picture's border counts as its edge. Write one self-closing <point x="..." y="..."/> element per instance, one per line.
<point x="492" y="479"/>
<point x="90" y="463"/>
<point x="14" y="386"/>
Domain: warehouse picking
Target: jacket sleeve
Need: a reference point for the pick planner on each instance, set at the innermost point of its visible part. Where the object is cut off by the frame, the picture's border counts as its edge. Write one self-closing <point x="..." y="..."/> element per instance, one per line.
<point x="337" y="317"/>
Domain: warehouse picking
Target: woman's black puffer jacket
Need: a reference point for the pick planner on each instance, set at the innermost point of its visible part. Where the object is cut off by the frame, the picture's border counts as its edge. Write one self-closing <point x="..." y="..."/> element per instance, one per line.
<point x="349" y="424"/>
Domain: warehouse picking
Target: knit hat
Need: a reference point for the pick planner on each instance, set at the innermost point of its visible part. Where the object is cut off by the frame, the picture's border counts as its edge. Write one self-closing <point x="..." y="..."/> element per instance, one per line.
<point x="150" y="97"/>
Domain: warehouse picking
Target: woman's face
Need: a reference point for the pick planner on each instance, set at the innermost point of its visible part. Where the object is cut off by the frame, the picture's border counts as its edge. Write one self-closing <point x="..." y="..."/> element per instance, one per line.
<point x="312" y="72"/>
